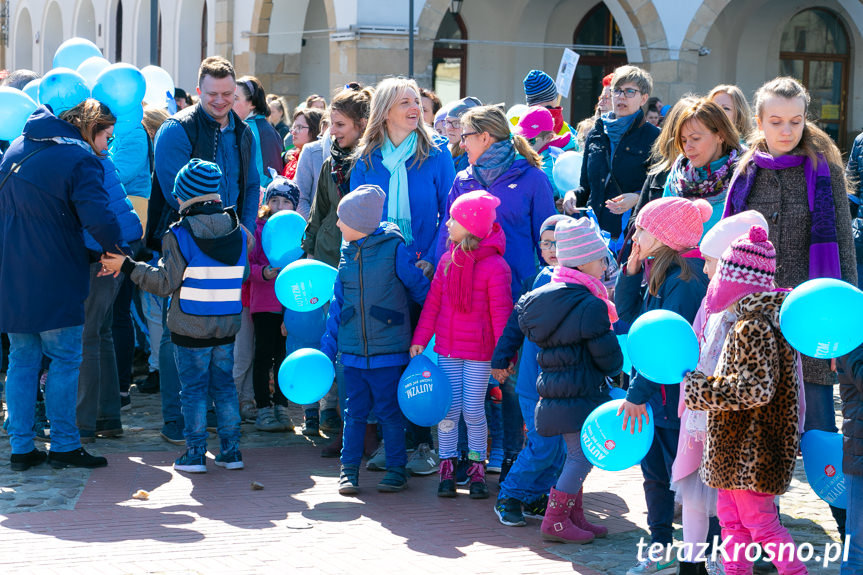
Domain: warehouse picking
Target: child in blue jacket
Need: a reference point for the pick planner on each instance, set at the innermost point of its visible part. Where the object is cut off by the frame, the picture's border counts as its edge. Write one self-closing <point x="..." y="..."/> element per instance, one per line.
<point x="369" y="323"/>
<point x="664" y="271"/>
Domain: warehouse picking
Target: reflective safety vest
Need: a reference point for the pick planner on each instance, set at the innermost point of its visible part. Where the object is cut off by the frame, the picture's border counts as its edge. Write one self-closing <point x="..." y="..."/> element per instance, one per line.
<point x="209" y="286"/>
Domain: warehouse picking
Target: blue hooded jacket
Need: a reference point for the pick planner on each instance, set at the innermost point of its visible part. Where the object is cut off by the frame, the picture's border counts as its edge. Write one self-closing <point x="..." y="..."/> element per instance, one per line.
<point x="130" y="223"/>
<point x="44" y="264"/>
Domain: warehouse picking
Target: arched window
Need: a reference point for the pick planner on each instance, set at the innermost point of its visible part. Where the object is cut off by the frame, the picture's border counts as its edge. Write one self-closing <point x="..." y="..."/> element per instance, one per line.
<point x="204" y="47"/>
<point x="814" y="49"/>
<point x="118" y="32"/>
<point x="597" y="28"/>
<point x="449" y="61"/>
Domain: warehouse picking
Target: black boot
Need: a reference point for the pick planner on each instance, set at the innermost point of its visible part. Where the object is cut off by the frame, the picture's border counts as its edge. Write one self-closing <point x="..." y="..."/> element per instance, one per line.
<point x="349" y="480"/>
<point x="75" y="458"/>
<point x="24" y="461"/>
<point x="691" y="568"/>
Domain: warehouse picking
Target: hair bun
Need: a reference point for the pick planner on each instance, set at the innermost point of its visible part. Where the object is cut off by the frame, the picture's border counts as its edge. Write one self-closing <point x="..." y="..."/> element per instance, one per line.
<point x="705" y="210"/>
<point x="757" y="235"/>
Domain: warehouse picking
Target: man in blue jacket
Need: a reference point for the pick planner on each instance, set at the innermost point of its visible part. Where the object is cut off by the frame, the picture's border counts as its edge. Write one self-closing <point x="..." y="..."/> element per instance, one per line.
<point x="48" y="192"/>
<point x="210" y="131"/>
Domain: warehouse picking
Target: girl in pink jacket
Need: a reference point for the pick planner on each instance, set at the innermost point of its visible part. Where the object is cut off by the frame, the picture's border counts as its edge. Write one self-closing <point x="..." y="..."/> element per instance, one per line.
<point x="467" y="307"/>
<point x="282" y="194"/>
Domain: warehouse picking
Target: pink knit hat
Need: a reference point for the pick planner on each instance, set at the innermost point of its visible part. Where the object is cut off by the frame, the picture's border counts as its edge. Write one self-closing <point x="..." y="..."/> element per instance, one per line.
<point x="746" y="267"/>
<point x="475" y="211"/>
<point x="676" y="222"/>
<point x="536" y="121"/>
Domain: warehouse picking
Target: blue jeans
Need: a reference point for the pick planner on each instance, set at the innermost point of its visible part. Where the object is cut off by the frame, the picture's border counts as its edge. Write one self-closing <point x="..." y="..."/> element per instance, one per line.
<point x="63" y="346"/>
<point x="367" y="388"/>
<point x="656" y="468"/>
<point x="538" y="465"/>
<point x="169" y="381"/>
<point x="208" y="372"/>
<point x="854" y="525"/>
<point x="513" y="424"/>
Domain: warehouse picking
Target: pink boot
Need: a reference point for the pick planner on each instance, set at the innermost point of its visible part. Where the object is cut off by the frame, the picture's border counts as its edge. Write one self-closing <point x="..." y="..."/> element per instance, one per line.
<point x="578" y="518"/>
<point x="557" y="525"/>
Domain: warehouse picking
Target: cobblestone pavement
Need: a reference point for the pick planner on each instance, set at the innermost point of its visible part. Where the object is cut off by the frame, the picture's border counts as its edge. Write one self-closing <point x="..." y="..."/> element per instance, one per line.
<point x="78" y="521"/>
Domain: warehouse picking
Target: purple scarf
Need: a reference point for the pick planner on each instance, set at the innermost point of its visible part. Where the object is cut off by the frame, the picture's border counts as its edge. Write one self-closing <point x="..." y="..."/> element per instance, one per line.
<point x="823" y="245"/>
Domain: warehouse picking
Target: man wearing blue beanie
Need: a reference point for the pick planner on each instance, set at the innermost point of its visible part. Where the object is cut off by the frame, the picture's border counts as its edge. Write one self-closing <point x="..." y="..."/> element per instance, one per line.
<point x="203" y="265"/>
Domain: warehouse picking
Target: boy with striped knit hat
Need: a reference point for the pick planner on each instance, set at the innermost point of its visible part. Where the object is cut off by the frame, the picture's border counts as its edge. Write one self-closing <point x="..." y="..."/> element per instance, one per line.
<point x="204" y="262"/>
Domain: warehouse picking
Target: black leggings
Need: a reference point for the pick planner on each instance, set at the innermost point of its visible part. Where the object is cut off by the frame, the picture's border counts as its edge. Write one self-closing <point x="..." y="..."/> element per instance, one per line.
<point x="269" y="354"/>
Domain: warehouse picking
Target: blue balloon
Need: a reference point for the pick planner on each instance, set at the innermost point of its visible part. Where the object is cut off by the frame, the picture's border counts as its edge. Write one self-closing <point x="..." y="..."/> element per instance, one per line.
<point x="429" y="351"/>
<point x="610" y="447"/>
<point x="91" y="68"/>
<point x="32" y="89"/>
<point x="121" y="87"/>
<point x="282" y="237"/>
<point x="822" y="460"/>
<point x="129" y="121"/>
<point x="424" y="393"/>
<point x="662" y="346"/>
<point x="820" y="318"/>
<point x="62" y="89"/>
<point x="306" y="376"/>
<point x="305" y="285"/>
<point x="73" y="52"/>
<point x="567" y="170"/>
<point x="15" y="110"/>
<point x="627" y="365"/>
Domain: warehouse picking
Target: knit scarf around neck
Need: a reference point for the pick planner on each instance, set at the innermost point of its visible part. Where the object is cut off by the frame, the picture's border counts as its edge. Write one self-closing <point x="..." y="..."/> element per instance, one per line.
<point x="615" y="127"/>
<point x="340" y="167"/>
<point x="567" y="275"/>
<point x="494" y="162"/>
<point x="398" y="197"/>
<point x="686" y="181"/>
<point x="823" y="243"/>
<point x="460" y="274"/>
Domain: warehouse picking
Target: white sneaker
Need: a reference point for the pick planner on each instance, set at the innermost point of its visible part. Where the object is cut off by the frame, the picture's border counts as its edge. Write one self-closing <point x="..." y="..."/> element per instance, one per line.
<point x="661" y="567"/>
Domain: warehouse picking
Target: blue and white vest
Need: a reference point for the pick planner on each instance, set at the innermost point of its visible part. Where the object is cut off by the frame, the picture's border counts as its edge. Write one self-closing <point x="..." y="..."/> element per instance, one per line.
<point x="209" y="287"/>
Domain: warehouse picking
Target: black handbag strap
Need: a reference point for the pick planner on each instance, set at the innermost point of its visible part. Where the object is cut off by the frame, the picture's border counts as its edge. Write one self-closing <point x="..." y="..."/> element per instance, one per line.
<point x="17" y="165"/>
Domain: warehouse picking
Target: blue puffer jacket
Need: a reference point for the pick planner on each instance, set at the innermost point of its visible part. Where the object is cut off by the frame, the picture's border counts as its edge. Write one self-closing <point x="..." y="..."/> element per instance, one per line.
<point x="369" y="316"/>
<point x="429" y="185"/>
<point x="130" y="223"/>
<point x="513" y="338"/>
<point x="850" y="370"/>
<point x="577" y="351"/>
<point x="131" y="156"/>
<point x="630" y="163"/>
<point x="682" y="297"/>
<point x="44" y="265"/>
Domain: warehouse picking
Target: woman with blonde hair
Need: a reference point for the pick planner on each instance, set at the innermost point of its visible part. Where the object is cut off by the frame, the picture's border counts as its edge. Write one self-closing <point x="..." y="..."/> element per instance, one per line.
<point x="732" y="101"/>
<point x="411" y="164"/>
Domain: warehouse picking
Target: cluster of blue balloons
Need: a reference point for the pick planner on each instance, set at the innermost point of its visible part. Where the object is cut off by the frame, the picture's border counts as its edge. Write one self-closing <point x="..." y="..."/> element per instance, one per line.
<point x="662" y="346"/>
<point x="80" y="72"/>
<point x="822" y="460"/>
<point x="424" y="393"/>
<point x="820" y="318"/>
<point x="306" y="376"/>
<point x="610" y="446"/>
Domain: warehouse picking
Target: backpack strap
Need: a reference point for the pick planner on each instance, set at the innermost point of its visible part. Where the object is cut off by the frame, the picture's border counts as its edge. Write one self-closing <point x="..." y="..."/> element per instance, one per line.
<point x="17" y="165"/>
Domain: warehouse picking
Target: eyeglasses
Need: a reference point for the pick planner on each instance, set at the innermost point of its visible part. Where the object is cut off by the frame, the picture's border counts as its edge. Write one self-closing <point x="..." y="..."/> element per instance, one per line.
<point x="629" y="92"/>
<point x="298" y="128"/>
<point x="454" y="123"/>
<point x="110" y="140"/>
<point x="464" y="136"/>
<point x="547" y="245"/>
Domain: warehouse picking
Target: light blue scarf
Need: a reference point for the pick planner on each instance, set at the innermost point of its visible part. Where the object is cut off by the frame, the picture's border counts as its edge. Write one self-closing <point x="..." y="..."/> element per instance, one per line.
<point x="616" y="127"/>
<point x="398" y="196"/>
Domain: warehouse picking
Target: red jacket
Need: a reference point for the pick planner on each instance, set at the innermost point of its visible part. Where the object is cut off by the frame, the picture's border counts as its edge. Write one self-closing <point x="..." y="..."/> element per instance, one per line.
<point x="470" y="334"/>
<point x="262" y="291"/>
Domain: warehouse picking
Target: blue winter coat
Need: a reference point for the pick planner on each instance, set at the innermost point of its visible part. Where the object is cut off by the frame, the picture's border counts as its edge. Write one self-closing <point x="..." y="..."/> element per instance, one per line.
<point x="526" y="200"/>
<point x="428" y="185"/>
<point x="599" y="182"/>
<point x="369" y="311"/>
<point x="577" y="350"/>
<point x="850" y="370"/>
<point x="130" y="223"/>
<point x="682" y="297"/>
<point x="44" y="264"/>
<point x="512" y="338"/>
<point x="130" y="153"/>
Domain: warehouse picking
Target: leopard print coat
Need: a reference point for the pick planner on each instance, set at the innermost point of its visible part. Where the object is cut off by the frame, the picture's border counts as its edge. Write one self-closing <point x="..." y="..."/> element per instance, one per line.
<point x="752" y="402"/>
